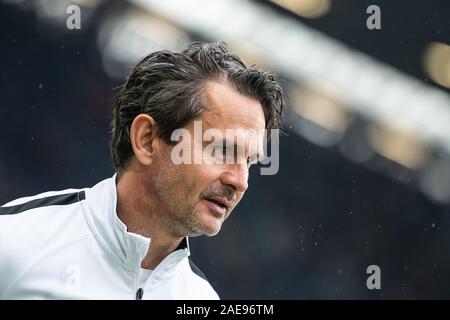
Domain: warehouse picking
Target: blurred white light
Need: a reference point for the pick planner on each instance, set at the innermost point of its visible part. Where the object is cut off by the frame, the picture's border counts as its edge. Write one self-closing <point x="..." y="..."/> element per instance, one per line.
<point x="126" y="37"/>
<point x="320" y="108"/>
<point x="323" y="120"/>
<point x="250" y="55"/>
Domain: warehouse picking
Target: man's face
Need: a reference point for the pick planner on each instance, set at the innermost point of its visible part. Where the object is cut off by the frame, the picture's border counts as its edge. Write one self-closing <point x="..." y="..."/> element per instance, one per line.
<point x="194" y="195"/>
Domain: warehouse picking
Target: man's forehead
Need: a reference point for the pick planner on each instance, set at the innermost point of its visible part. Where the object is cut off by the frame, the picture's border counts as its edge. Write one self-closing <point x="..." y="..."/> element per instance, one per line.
<point x="225" y="107"/>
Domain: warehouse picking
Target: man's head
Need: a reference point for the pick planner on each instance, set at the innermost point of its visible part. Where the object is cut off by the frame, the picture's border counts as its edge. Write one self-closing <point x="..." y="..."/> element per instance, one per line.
<point x="167" y="91"/>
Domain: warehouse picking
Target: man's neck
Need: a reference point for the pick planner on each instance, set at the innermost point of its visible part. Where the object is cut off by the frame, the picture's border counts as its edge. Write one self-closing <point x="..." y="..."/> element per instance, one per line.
<point x="140" y="213"/>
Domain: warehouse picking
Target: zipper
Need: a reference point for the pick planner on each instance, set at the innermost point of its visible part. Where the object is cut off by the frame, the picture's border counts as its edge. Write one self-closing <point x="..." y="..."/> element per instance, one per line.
<point x="139" y="294"/>
<point x="140" y="291"/>
<point x="161" y="265"/>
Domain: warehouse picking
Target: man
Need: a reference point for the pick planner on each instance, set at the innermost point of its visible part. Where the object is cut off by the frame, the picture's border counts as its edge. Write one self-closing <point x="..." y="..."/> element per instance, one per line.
<point x="127" y="237"/>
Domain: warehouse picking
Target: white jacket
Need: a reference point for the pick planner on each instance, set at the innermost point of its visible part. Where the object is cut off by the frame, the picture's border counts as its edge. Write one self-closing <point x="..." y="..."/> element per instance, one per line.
<point x="70" y="244"/>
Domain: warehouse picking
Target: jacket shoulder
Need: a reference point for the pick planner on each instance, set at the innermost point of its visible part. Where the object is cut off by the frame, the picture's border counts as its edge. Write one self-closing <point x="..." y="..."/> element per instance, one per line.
<point x="44" y="199"/>
<point x="31" y="225"/>
<point x="38" y="216"/>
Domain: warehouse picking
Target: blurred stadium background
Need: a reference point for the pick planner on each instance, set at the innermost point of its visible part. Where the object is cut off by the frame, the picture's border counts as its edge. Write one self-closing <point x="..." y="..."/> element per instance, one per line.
<point x="365" y="166"/>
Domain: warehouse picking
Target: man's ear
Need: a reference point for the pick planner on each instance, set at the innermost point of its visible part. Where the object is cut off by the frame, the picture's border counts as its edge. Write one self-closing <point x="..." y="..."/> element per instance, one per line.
<point x="143" y="138"/>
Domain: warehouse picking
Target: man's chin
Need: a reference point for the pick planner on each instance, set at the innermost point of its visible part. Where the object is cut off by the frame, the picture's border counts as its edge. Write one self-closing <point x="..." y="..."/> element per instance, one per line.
<point x="204" y="232"/>
<point x="207" y="223"/>
<point x="208" y="228"/>
<point x="212" y="233"/>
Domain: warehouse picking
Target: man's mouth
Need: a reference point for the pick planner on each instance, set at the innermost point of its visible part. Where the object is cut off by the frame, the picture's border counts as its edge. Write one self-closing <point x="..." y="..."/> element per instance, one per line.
<point x="218" y="204"/>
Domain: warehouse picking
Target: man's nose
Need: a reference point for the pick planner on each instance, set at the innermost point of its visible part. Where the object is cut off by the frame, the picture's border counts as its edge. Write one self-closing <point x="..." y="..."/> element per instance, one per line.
<point x="236" y="176"/>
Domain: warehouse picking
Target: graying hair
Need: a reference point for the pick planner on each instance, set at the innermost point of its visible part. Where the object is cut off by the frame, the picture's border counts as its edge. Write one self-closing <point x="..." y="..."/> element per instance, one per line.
<point x="167" y="86"/>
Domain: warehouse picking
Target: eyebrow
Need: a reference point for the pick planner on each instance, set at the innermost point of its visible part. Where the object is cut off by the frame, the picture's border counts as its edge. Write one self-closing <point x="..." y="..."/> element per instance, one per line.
<point x="236" y="147"/>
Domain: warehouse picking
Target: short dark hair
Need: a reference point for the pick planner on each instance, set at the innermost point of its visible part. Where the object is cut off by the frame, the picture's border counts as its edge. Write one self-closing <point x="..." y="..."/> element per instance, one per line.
<point x="167" y="86"/>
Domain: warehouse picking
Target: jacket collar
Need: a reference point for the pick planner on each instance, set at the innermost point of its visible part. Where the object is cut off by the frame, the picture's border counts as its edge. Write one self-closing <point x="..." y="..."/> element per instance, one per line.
<point x="127" y="247"/>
